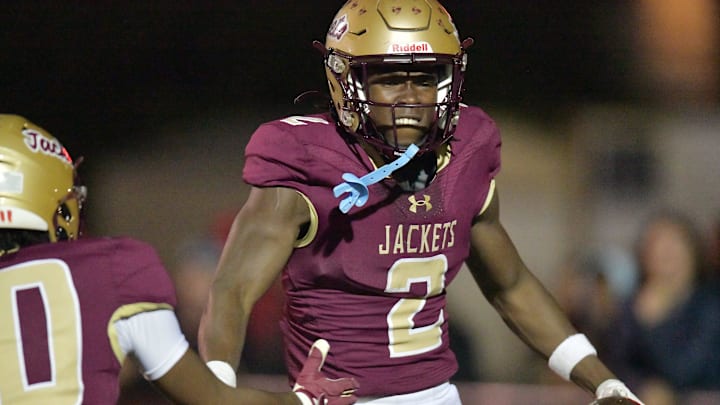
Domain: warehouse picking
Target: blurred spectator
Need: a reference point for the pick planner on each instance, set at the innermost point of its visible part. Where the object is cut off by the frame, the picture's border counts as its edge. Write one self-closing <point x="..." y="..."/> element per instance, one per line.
<point x="591" y="287"/>
<point x="668" y="335"/>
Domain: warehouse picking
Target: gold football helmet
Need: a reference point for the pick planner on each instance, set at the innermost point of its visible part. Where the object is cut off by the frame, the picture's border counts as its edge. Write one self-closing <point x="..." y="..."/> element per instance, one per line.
<point x="38" y="189"/>
<point x="388" y="33"/>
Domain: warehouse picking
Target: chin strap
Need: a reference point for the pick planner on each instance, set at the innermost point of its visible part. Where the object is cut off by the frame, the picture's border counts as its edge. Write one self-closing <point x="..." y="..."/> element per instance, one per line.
<point x="358" y="187"/>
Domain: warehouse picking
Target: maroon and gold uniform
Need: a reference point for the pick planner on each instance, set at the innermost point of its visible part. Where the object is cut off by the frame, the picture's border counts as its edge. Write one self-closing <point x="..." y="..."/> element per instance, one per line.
<point x="57" y="341"/>
<point x="372" y="282"/>
<point x="367" y="265"/>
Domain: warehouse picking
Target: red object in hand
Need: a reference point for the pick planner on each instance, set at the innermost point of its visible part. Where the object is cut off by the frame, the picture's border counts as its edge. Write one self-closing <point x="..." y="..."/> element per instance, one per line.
<point x="313" y="388"/>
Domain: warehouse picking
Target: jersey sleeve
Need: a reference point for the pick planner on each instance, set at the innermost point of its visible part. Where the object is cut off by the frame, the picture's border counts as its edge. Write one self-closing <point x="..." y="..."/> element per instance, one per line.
<point x="480" y="142"/>
<point x="274" y="157"/>
<point x="492" y="148"/>
<point x="141" y="286"/>
<point x="139" y="274"/>
<point x="153" y="337"/>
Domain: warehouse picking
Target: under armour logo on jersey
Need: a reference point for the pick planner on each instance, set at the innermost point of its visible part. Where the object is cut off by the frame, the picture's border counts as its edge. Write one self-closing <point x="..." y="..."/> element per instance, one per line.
<point x="425" y="202"/>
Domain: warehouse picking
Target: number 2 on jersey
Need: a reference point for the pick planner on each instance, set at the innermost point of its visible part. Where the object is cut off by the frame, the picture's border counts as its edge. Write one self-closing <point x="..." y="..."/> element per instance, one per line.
<point x="405" y="338"/>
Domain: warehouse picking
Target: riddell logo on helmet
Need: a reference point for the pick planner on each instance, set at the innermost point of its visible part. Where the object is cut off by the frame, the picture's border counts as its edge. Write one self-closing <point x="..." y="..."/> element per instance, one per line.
<point x="416" y="47"/>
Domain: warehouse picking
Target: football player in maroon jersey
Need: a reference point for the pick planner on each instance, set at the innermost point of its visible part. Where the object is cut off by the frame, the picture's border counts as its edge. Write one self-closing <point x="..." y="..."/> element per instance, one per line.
<point x="369" y="211"/>
<point x="73" y="310"/>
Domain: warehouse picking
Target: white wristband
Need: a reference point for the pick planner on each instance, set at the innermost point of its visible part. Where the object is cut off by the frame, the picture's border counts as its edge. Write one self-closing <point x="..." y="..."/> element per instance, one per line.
<point x="223" y="371"/>
<point x="569" y="353"/>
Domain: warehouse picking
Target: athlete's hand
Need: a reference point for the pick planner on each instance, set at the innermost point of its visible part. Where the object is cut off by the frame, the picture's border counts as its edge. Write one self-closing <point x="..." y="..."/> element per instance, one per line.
<point x="313" y="388"/>
<point x="614" y="391"/>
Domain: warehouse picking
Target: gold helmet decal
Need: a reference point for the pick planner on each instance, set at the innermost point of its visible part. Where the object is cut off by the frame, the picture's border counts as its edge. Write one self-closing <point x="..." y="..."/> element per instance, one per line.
<point x="38" y="189"/>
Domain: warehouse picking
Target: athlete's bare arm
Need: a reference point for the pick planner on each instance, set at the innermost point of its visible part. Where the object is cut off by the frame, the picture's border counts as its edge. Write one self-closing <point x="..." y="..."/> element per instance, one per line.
<point x="191" y="382"/>
<point x="260" y="242"/>
<point x="519" y="297"/>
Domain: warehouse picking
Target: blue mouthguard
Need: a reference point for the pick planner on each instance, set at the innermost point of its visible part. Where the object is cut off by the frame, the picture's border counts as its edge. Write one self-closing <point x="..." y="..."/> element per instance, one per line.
<point x="358" y="187"/>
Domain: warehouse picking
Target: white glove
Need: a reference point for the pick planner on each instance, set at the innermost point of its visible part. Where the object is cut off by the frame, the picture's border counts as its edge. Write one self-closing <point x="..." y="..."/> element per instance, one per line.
<point x="616" y="388"/>
<point x="313" y="388"/>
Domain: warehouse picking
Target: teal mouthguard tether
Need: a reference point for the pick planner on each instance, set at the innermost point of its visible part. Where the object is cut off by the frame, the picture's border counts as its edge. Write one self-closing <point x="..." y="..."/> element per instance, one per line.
<point x="358" y="187"/>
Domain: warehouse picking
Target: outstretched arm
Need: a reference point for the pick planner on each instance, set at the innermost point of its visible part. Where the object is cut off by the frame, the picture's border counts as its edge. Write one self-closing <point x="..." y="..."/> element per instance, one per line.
<point x="260" y="242"/>
<point x="525" y="304"/>
<point x="151" y="342"/>
<point x="189" y="381"/>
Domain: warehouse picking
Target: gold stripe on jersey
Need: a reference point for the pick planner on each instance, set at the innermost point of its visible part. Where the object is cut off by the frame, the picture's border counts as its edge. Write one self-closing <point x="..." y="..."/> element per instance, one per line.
<point x="489" y="198"/>
<point x="125" y="312"/>
<point x="443" y="156"/>
<point x="312" y="229"/>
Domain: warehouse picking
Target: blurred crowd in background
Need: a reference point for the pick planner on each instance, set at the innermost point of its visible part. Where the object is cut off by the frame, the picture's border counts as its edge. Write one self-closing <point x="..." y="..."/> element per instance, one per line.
<point x="610" y="115"/>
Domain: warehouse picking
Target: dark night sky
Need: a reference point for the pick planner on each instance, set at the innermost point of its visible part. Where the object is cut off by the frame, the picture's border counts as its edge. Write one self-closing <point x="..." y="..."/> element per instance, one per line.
<point x="95" y="72"/>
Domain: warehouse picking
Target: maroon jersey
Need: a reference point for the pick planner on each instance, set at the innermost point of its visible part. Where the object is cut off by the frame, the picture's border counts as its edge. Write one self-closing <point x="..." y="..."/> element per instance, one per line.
<point x="372" y="282"/>
<point x="56" y="301"/>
